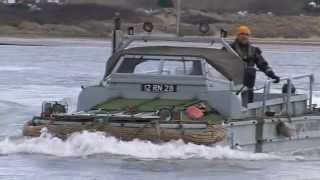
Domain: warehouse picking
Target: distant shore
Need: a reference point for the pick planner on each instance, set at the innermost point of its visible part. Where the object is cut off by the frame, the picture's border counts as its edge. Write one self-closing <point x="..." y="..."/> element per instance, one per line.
<point x="70" y="21"/>
<point x="102" y="42"/>
<point x="281" y="41"/>
<point x="53" y="41"/>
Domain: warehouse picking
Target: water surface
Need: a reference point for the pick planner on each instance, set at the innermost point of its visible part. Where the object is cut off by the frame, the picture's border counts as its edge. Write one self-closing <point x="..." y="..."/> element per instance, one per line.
<point x="32" y="74"/>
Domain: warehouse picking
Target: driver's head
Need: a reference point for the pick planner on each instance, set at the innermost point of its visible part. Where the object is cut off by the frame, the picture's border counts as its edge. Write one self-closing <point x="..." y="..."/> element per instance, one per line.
<point x="243" y="35"/>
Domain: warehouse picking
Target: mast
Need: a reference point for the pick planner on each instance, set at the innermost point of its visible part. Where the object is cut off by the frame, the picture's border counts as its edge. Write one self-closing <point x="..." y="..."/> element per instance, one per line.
<point x="178" y="17"/>
<point x="116" y="33"/>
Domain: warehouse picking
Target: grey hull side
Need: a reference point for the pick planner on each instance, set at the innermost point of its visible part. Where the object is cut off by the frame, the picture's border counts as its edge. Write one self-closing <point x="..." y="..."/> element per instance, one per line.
<point x="262" y="135"/>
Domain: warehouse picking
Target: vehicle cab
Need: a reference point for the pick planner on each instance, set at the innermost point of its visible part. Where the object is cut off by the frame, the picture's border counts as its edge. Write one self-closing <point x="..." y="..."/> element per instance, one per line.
<point x="167" y="72"/>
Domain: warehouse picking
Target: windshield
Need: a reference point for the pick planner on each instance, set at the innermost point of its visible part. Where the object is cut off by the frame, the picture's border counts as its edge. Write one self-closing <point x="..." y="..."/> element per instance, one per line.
<point x="164" y="65"/>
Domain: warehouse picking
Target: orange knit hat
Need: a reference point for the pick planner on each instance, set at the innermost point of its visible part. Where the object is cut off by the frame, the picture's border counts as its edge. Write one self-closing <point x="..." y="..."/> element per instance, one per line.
<point x="244" y="30"/>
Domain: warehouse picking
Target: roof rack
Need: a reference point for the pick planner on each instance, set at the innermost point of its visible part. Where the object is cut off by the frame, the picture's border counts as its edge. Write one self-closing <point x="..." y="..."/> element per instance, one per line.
<point x="121" y="41"/>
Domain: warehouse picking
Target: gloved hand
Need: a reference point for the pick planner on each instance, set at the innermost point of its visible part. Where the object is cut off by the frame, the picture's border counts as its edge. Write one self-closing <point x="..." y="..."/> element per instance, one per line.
<point x="276" y="79"/>
<point x="273" y="76"/>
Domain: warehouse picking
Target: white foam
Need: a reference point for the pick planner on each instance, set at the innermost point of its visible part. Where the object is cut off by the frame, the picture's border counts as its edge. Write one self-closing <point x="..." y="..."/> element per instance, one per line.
<point x="17" y="68"/>
<point x="87" y="143"/>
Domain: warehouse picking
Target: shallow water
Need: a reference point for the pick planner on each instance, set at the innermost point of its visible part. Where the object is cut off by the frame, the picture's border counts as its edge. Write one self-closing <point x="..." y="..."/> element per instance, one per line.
<point x="32" y="74"/>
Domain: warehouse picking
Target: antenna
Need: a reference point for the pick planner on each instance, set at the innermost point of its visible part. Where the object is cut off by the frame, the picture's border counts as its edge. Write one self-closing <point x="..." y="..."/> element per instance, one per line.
<point x="178" y="17"/>
<point x="116" y="33"/>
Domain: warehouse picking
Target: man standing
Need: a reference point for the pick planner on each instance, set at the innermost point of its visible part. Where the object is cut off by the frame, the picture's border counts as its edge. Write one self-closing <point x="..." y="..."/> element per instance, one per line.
<point x="252" y="56"/>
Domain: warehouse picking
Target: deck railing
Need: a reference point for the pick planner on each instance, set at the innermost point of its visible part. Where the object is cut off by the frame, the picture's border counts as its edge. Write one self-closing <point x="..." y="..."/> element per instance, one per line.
<point x="267" y="87"/>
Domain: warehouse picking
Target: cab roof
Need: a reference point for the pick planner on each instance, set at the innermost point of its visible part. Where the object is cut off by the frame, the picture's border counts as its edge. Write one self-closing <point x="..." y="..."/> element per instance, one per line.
<point x="228" y="64"/>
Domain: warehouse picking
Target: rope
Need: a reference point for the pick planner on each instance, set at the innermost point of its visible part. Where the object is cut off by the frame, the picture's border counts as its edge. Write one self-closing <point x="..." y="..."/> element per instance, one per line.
<point x="145" y="126"/>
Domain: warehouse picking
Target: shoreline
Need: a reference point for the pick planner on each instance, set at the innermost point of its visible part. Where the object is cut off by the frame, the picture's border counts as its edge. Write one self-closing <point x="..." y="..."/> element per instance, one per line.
<point x="60" y="41"/>
<point x="53" y="41"/>
<point x="292" y="42"/>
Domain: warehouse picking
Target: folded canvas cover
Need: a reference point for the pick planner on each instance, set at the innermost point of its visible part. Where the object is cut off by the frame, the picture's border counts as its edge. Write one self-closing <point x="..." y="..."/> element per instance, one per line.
<point x="228" y="64"/>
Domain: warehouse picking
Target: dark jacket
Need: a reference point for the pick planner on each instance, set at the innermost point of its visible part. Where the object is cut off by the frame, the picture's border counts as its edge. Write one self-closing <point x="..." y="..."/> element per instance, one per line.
<point x="253" y="57"/>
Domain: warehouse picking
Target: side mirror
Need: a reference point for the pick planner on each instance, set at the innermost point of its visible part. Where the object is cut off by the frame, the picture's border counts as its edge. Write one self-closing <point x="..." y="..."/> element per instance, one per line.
<point x="131" y="31"/>
<point x="223" y="33"/>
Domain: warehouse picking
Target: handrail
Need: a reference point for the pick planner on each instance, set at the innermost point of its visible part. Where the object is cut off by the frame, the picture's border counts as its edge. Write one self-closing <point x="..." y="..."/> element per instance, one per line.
<point x="124" y="41"/>
<point x="289" y="80"/>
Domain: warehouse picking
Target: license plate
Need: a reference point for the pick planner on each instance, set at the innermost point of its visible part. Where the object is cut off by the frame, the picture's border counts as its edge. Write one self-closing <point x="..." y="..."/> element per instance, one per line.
<point x="158" y="88"/>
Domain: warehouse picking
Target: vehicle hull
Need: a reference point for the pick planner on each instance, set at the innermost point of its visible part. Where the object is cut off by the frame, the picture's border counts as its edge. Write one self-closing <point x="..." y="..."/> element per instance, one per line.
<point x="251" y="135"/>
<point x="197" y="133"/>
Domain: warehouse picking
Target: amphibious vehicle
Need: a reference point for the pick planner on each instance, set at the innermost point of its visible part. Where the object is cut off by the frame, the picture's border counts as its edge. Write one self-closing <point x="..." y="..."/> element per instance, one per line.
<point x="163" y="93"/>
